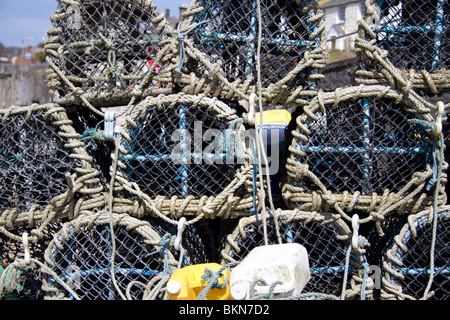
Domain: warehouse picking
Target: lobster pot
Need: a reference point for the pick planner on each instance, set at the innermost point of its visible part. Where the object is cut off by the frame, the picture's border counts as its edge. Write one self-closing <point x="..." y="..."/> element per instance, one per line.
<point x="186" y="154"/>
<point x="415" y="36"/>
<point x="407" y="262"/>
<point x="363" y="150"/>
<point x="45" y="172"/>
<point x="83" y="255"/>
<point x="106" y="51"/>
<point x="324" y="238"/>
<point x="222" y="51"/>
<point x="30" y="279"/>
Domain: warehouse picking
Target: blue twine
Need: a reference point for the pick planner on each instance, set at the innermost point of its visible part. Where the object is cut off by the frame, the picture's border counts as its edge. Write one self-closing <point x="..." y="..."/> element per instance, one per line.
<point x="91" y="134"/>
<point x="429" y="127"/>
<point x="180" y="37"/>
<point x="364" y="282"/>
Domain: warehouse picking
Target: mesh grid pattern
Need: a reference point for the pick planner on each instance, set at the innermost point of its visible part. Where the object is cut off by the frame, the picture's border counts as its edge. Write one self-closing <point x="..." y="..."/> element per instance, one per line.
<point x="168" y="156"/>
<point x="30" y="278"/>
<point x="33" y="161"/>
<point x="366" y="146"/>
<point x="229" y="37"/>
<point x="104" y="47"/>
<point x="326" y="253"/>
<point x="82" y="258"/>
<point x="414" y="33"/>
<point x="414" y="262"/>
<point x="292" y="47"/>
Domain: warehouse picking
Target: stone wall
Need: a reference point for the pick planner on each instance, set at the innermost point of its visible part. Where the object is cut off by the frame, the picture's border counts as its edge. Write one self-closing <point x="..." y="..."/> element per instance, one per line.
<point x="22" y="85"/>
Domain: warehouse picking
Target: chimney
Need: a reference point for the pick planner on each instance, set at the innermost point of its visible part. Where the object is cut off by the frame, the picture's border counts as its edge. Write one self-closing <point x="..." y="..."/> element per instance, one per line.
<point x="167" y="13"/>
<point x="183" y="8"/>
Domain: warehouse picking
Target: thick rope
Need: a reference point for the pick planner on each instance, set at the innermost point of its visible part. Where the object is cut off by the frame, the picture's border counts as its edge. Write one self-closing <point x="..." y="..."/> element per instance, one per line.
<point x="82" y="181"/>
<point x="412" y="196"/>
<point x="408" y="80"/>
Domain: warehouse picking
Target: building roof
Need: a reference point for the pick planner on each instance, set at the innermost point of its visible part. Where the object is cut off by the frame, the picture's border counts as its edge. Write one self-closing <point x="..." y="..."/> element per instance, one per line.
<point x="335" y="3"/>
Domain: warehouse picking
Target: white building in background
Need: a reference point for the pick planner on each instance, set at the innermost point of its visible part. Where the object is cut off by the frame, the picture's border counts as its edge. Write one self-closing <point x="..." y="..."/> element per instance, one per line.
<point x="342" y="18"/>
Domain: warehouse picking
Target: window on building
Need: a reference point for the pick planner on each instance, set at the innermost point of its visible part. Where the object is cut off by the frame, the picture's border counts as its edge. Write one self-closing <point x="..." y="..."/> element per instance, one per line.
<point x="341" y="14"/>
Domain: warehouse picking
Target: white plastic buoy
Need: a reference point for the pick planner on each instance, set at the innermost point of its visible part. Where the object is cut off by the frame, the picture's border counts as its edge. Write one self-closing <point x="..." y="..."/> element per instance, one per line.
<point x="285" y="263"/>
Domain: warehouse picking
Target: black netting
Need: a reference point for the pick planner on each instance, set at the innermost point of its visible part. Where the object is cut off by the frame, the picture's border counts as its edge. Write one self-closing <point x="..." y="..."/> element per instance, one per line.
<point x="179" y="151"/>
<point x="105" y="47"/>
<point x="228" y="36"/>
<point x="415" y="261"/>
<point x="326" y="253"/>
<point x="30" y="278"/>
<point x="415" y="33"/>
<point x="33" y="161"/>
<point x="366" y="146"/>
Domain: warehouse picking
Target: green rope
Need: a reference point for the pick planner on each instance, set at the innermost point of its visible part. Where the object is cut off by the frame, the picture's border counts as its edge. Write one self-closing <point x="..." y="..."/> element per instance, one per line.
<point x="435" y="212"/>
<point x="311" y="296"/>
<point x="212" y="279"/>
<point x="180" y="37"/>
<point x="269" y="295"/>
<point x="109" y="44"/>
<point x="438" y="159"/>
<point x="10" y="278"/>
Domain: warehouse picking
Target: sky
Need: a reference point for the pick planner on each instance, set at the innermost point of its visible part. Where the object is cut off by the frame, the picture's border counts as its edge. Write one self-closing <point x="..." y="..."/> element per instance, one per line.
<point x="24" y="22"/>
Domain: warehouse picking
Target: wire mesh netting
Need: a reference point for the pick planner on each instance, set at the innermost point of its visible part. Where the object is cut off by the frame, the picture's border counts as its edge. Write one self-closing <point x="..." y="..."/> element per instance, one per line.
<point x="39" y="153"/>
<point x="323" y="237"/>
<point x="415" y="35"/>
<point x="185" y="146"/>
<point x="407" y="262"/>
<point x="30" y="279"/>
<point x="365" y="145"/>
<point x="82" y="256"/>
<point x="361" y="147"/>
<point x="291" y="44"/>
<point x="88" y="124"/>
<point x="105" y="49"/>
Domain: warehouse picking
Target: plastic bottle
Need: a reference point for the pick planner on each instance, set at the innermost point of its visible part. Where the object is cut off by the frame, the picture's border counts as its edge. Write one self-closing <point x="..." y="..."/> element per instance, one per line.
<point x="186" y="283"/>
<point x="287" y="263"/>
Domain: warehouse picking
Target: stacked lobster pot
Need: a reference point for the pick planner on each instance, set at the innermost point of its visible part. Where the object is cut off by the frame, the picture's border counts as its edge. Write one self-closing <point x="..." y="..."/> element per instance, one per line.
<point x="63" y="236"/>
<point x="404" y="45"/>
<point x="151" y="158"/>
<point x="148" y="142"/>
<point x="372" y="155"/>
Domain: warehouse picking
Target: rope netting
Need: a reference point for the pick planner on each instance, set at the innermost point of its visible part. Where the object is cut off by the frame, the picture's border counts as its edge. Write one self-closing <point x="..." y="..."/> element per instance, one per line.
<point x="413" y="257"/>
<point x="187" y="152"/>
<point x="95" y="200"/>
<point x="325" y="238"/>
<point x="221" y="49"/>
<point x="46" y="173"/>
<point x="365" y="149"/>
<point x="84" y="257"/>
<point x="407" y="39"/>
<point x="102" y="51"/>
<point x="25" y="282"/>
<point x="220" y="42"/>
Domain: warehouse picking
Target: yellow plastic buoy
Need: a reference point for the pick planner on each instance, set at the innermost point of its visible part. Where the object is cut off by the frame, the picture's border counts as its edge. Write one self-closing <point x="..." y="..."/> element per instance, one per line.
<point x="186" y="283"/>
<point x="274" y="116"/>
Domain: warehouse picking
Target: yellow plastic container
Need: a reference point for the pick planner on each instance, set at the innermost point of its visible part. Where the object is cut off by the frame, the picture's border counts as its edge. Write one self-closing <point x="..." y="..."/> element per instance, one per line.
<point x="274" y="116"/>
<point x="186" y="283"/>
